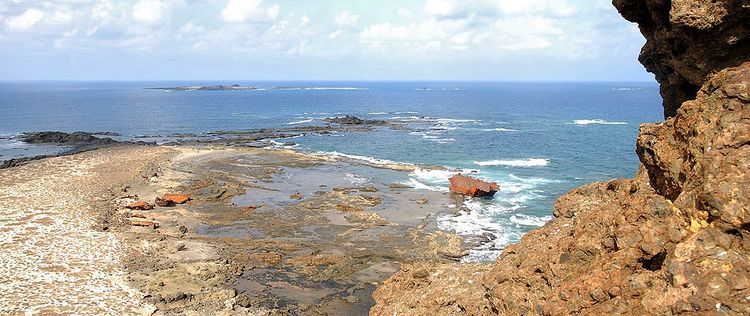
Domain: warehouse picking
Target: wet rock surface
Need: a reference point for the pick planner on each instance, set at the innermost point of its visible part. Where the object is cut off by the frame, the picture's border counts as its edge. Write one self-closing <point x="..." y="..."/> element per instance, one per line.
<point x="241" y="245"/>
<point x="672" y="240"/>
<point x="72" y="143"/>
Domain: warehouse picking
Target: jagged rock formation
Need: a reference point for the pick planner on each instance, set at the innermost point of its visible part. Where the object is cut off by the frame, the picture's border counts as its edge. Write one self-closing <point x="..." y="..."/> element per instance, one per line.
<point x="674" y="239"/>
<point x="688" y="40"/>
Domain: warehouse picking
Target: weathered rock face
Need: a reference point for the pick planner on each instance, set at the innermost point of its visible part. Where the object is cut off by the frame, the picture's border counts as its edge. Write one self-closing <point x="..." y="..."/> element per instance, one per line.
<point x="688" y="40"/>
<point x="465" y="185"/>
<point x="674" y="239"/>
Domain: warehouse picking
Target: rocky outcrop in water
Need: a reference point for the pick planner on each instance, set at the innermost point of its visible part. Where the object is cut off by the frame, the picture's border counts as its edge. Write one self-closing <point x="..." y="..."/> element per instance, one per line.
<point x="688" y="40"/>
<point x="62" y="138"/>
<point x="465" y="185"/>
<point x="353" y="120"/>
<point x="674" y="239"/>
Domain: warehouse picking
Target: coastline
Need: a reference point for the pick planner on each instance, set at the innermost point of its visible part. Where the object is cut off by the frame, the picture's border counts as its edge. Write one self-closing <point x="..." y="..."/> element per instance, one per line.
<point x="240" y="245"/>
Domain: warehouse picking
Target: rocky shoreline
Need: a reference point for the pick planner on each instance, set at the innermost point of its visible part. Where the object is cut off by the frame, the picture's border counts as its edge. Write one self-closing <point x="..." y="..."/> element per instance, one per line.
<point x="672" y="240"/>
<point x="266" y="231"/>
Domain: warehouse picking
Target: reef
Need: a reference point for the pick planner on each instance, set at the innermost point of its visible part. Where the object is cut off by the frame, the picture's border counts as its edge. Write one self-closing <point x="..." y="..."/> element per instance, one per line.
<point x="674" y="239"/>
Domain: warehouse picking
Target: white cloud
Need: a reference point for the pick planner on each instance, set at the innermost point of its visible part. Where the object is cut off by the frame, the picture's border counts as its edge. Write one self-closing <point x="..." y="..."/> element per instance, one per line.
<point x="148" y="10"/>
<point x="440" y="7"/>
<point x="273" y="11"/>
<point x="25" y="21"/>
<point x="552" y="7"/>
<point x="241" y="10"/>
<point x="346" y="18"/>
<point x="404" y="13"/>
<point x="336" y="34"/>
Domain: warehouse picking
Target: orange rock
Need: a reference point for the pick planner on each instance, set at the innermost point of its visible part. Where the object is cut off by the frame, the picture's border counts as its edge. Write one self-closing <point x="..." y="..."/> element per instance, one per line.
<point x="297" y="196"/>
<point x="465" y="185"/>
<point x="140" y="205"/>
<point x="176" y="198"/>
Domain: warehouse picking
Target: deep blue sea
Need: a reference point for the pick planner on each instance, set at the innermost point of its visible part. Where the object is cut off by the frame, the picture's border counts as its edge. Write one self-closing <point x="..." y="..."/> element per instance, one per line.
<point x="538" y="140"/>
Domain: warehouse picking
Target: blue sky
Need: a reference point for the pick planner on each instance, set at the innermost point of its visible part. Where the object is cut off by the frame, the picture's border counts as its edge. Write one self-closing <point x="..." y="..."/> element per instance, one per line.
<point x="317" y="40"/>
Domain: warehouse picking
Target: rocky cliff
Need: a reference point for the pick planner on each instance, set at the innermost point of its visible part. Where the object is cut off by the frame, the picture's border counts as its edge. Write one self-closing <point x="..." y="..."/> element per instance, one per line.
<point x="688" y="40"/>
<point x="674" y="239"/>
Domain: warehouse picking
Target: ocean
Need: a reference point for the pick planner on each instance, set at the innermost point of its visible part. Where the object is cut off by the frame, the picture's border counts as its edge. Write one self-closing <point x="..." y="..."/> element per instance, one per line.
<point x="538" y="140"/>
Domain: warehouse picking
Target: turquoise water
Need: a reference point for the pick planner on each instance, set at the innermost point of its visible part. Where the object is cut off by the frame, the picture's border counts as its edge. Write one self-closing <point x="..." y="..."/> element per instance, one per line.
<point x="538" y="140"/>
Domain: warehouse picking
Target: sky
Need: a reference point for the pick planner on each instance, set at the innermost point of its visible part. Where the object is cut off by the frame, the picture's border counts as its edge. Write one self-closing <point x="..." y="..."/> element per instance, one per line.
<point x="463" y="40"/>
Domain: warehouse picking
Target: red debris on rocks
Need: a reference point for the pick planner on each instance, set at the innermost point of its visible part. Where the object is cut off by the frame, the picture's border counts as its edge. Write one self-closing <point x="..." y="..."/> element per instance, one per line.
<point x="140" y="205"/>
<point x="176" y="198"/>
<point x="465" y="185"/>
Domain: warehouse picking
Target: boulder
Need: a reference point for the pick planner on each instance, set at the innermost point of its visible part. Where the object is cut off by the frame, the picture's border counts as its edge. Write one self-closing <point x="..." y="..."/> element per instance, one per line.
<point x="473" y="187"/>
<point x="140" y="205"/>
<point x="176" y="198"/>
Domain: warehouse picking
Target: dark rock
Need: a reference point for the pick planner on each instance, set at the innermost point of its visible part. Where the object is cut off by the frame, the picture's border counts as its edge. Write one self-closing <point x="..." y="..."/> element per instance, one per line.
<point x="62" y="138"/>
<point x="353" y="120"/>
<point x="163" y="203"/>
<point x="688" y="40"/>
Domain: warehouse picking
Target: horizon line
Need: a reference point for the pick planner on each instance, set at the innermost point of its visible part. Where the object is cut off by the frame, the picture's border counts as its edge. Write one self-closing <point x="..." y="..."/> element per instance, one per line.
<point x="229" y="81"/>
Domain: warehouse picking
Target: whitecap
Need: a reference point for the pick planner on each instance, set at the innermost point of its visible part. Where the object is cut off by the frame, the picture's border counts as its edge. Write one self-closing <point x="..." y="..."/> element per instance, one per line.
<point x="499" y="129"/>
<point x="528" y="162"/>
<point x="300" y="122"/>
<point x="529" y="220"/>
<point x="596" y="121"/>
<point x="356" y="179"/>
<point x="365" y="159"/>
<point x="12" y="144"/>
<point x="417" y="185"/>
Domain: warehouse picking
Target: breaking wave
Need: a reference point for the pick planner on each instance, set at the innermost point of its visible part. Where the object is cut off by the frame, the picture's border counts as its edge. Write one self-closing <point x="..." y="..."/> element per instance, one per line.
<point x="528" y="162"/>
<point x="597" y="121"/>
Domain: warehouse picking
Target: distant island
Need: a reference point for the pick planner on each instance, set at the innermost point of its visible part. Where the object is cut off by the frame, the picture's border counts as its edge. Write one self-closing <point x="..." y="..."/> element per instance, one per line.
<point x="206" y="88"/>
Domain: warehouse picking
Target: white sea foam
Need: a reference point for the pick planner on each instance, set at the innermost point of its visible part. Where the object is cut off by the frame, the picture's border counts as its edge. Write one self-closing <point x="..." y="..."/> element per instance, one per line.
<point x="453" y="121"/>
<point x="480" y="220"/>
<point x="528" y="162"/>
<point x="417" y="185"/>
<point x="529" y="220"/>
<point x="322" y="113"/>
<point x="395" y="113"/>
<point x="12" y="144"/>
<point x="499" y="129"/>
<point x="364" y="159"/>
<point x="597" y="121"/>
<point x="277" y="144"/>
<point x="300" y="122"/>
<point x="356" y="179"/>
